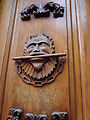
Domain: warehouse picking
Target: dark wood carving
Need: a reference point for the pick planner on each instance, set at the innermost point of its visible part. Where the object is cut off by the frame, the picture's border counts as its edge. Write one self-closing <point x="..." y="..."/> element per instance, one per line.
<point x="17" y="114"/>
<point x="59" y="116"/>
<point x="42" y="11"/>
<point x="31" y="116"/>
<point x="40" y="64"/>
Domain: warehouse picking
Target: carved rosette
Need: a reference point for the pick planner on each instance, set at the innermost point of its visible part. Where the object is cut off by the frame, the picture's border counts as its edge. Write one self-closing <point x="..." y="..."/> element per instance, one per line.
<point x="39" y="71"/>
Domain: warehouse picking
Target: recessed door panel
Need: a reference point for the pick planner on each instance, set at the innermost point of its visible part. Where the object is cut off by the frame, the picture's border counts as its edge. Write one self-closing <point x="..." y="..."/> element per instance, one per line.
<point x="51" y="97"/>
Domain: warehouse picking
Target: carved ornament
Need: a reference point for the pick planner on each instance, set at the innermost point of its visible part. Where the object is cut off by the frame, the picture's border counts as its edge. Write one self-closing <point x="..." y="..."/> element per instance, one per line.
<point x="18" y="114"/>
<point x="40" y="64"/>
<point x="42" y="11"/>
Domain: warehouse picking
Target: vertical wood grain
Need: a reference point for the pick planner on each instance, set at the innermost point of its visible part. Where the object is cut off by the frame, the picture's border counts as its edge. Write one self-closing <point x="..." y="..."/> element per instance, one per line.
<point x="5" y="10"/>
<point x="49" y="98"/>
<point x="74" y="30"/>
<point x="71" y="73"/>
<point x="77" y="77"/>
<point x="83" y="18"/>
<point x="82" y="62"/>
<point x="6" y="28"/>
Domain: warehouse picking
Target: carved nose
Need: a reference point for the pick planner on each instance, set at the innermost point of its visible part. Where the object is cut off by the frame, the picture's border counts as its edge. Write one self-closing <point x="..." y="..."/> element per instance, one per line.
<point x="36" y="48"/>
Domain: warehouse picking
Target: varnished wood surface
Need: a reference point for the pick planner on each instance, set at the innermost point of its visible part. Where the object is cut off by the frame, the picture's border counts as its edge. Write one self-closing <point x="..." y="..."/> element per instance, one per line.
<point x="49" y="98"/>
<point x="5" y="11"/>
<point x="83" y="11"/>
<point x="76" y="64"/>
<point x="39" y="56"/>
<point x="71" y="90"/>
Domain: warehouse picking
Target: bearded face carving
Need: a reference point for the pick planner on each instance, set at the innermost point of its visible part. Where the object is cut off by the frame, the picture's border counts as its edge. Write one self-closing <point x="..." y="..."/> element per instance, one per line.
<point x="38" y="45"/>
<point x="38" y="71"/>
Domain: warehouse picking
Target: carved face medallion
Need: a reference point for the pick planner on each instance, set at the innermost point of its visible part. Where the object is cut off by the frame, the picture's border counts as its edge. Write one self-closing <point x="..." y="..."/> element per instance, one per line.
<point x="39" y="45"/>
<point x="39" y="70"/>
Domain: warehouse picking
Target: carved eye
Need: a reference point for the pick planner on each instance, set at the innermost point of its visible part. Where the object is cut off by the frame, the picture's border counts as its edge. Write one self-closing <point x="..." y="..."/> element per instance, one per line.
<point x="43" y="44"/>
<point x="32" y="45"/>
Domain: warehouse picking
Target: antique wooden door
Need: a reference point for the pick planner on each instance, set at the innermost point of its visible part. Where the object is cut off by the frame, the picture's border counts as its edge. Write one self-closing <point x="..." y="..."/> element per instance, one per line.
<point x="51" y="84"/>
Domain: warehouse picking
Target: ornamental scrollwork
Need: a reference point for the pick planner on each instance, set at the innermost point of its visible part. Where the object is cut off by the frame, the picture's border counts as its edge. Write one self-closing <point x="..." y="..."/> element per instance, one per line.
<point x="42" y="11"/>
<point x="15" y="114"/>
<point x="59" y="116"/>
<point x="18" y="114"/>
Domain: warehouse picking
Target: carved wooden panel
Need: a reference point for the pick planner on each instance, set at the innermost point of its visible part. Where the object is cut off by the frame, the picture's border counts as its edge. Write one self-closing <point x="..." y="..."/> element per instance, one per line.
<point x="65" y="97"/>
<point x="67" y="22"/>
<point x="50" y="97"/>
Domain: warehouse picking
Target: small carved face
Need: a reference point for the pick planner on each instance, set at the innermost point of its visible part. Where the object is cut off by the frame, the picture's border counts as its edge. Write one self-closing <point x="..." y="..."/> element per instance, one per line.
<point x="38" y="45"/>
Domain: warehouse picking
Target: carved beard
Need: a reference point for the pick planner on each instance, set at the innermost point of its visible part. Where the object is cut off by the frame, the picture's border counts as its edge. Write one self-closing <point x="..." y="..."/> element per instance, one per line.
<point x="37" y="63"/>
<point x="38" y="70"/>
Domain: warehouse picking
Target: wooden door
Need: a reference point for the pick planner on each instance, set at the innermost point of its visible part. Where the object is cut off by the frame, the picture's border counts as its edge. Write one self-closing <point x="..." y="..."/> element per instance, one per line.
<point x="57" y="99"/>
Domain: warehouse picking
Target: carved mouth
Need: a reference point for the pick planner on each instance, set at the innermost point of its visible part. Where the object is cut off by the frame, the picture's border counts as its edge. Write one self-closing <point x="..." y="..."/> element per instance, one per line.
<point x="38" y="59"/>
<point x="37" y="53"/>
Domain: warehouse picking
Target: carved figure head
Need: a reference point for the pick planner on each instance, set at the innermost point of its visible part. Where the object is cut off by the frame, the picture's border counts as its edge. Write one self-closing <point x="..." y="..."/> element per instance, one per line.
<point x="39" y="70"/>
<point x="38" y="44"/>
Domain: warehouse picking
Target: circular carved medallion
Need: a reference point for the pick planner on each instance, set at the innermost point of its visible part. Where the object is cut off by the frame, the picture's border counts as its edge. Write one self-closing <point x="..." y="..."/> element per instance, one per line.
<point x="38" y="71"/>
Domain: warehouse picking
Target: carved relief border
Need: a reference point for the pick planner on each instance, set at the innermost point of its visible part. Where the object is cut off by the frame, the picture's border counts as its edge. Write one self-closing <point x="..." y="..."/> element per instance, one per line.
<point x="18" y="114"/>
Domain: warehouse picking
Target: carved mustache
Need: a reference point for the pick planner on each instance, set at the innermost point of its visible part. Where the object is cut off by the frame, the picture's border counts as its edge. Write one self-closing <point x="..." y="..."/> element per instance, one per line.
<point x="37" y="53"/>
